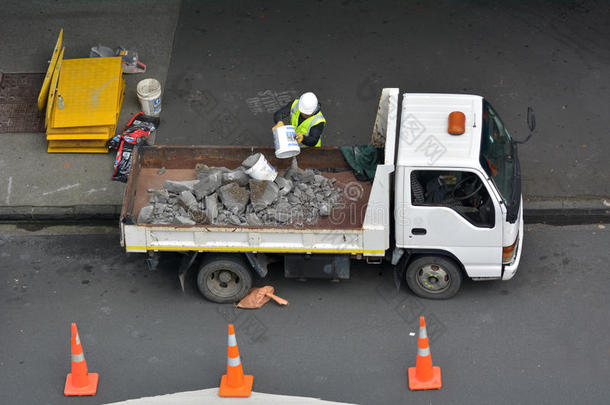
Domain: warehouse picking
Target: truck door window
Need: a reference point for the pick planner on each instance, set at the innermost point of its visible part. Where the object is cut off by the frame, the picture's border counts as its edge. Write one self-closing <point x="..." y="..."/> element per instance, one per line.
<point x="463" y="192"/>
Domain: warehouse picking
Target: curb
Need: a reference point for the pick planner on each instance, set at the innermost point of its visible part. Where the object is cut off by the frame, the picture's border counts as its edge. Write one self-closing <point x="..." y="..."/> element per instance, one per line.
<point x="60" y="213"/>
<point x="567" y="211"/>
<point x="547" y="211"/>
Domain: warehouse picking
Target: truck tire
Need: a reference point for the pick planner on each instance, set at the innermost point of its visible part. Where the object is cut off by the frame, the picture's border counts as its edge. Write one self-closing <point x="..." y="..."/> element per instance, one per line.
<point x="224" y="278"/>
<point x="434" y="277"/>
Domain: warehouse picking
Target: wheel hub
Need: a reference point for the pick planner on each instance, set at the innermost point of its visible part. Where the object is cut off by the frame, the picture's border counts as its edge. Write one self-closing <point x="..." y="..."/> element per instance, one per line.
<point x="224" y="277"/>
<point x="433" y="278"/>
<point x="224" y="283"/>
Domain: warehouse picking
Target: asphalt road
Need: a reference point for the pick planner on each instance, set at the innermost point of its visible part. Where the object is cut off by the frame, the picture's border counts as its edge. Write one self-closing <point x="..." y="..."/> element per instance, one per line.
<point x="233" y="63"/>
<point x="539" y="338"/>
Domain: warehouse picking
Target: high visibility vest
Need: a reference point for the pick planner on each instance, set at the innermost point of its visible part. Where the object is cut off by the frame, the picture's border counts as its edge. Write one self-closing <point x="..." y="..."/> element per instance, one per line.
<point x="307" y="124"/>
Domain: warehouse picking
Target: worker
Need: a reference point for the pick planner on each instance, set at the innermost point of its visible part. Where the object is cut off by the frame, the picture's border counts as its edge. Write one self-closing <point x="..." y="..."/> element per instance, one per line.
<point x="305" y="117"/>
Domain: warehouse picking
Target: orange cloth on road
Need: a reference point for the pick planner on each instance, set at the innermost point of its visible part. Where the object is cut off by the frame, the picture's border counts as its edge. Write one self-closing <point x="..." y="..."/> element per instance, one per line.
<point x="257" y="297"/>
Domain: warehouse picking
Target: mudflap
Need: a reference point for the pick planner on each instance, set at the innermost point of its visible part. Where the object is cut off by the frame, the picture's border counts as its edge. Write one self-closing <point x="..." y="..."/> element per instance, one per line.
<point x="399" y="271"/>
<point x="259" y="263"/>
<point x="186" y="263"/>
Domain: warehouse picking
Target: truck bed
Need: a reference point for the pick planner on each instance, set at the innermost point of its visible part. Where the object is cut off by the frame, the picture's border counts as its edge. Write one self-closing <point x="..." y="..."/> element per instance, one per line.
<point x="359" y="225"/>
<point x="179" y="163"/>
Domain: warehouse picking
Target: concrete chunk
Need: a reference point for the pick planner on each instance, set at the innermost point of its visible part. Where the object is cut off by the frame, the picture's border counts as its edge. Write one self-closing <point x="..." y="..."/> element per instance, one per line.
<point x="238" y="176"/>
<point x="179" y="186"/>
<point x="324" y="209"/>
<point x="262" y="193"/>
<point x="211" y="206"/>
<point x="199" y="216"/>
<point x="283" y="212"/>
<point x="187" y="200"/>
<point x="253" y="219"/>
<point x="234" y="220"/>
<point x="146" y="214"/>
<point x="306" y="176"/>
<point x="183" y="220"/>
<point x="292" y="170"/>
<point x="285" y="185"/>
<point x="320" y="180"/>
<point x="234" y="197"/>
<point x="200" y="167"/>
<point x="208" y="183"/>
<point x="294" y="200"/>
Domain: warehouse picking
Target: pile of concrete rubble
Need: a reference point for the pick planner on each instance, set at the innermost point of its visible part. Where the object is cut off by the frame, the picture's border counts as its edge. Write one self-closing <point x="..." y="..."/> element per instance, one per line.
<point x="220" y="196"/>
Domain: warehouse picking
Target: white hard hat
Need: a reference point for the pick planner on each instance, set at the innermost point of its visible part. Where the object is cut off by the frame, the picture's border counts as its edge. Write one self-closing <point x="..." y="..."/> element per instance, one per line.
<point x="308" y="102"/>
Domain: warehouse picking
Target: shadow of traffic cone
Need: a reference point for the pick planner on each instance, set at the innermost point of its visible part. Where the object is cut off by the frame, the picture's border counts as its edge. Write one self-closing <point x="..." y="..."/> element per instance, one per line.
<point x="234" y="383"/>
<point x="79" y="381"/>
<point x="424" y="376"/>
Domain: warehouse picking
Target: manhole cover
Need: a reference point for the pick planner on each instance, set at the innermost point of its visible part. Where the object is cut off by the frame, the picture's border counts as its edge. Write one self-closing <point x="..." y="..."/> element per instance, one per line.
<point x="19" y="103"/>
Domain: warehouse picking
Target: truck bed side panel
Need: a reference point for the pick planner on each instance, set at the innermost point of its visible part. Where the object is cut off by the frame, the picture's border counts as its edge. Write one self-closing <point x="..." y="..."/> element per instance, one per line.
<point x="200" y="238"/>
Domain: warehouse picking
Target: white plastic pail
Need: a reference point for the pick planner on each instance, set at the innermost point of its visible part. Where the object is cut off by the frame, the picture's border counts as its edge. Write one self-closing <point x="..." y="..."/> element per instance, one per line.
<point x="286" y="145"/>
<point x="262" y="170"/>
<point x="149" y="94"/>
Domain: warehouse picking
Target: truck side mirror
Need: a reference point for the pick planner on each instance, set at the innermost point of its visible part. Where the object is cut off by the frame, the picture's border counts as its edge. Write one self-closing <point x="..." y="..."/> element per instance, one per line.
<point x="531" y="124"/>
<point x="531" y="119"/>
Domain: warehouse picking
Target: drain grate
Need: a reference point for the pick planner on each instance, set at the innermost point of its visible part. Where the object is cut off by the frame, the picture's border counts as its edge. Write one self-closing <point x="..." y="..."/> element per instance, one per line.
<point x="19" y="103"/>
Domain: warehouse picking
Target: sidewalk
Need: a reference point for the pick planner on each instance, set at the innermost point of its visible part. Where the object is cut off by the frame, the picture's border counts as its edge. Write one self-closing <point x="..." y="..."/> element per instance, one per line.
<point x="39" y="185"/>
<point x="223" y="83"/>
<point x="210" y="396"/>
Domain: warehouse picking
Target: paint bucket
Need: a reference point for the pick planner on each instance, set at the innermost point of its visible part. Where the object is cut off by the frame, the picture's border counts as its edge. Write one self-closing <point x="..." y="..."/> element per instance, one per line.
<point x="262" y="170"/>
<point x="149" y="94"/>
<point x="286" y="145"/>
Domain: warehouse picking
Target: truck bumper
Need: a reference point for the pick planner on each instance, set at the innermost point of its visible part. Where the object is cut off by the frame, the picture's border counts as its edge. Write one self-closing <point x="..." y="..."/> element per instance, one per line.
<point x="509" y="270"/>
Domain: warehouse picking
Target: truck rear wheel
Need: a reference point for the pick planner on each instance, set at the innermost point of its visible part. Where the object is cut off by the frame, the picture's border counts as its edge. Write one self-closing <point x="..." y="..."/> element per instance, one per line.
<point x="434" y="277"/>
<point x="224" y="279"/>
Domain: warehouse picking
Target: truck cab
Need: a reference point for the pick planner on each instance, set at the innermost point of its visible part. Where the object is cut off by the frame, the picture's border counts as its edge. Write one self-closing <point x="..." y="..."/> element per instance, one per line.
<point x="458" y="206"/>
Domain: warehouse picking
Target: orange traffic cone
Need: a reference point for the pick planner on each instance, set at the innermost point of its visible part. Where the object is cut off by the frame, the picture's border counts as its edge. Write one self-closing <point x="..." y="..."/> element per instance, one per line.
<point x="79" y="381"/>
<point x="424" y="376"/>
<point x="234" y="383"/>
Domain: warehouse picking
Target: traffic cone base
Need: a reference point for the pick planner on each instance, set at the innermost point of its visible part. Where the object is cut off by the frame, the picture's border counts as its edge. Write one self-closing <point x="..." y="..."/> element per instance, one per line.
<point x="89" y="389"/>
<point x="244" y="391"/>
<point x="433" y="384"/>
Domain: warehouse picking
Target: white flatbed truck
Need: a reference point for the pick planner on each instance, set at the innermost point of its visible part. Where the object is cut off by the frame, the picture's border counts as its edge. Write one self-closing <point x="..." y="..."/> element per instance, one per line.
<point x="441" y="207"/>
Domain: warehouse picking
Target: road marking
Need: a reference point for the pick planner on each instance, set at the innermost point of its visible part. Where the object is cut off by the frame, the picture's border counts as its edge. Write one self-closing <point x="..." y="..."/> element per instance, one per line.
<point x="64" y="188"/>
<point x="95" y="190"/>
<point x="9" y="189"/>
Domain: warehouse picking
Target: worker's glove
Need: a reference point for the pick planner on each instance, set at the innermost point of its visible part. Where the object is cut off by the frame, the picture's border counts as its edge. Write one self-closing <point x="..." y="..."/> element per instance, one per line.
<point x="299" y="138"/>
<point x="279" y="124"/>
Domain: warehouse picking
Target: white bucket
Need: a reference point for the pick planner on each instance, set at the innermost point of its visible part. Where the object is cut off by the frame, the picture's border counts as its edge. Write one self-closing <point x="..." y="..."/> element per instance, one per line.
<point x="286" y="145"/>
<point x="262" y="170"/>
<point x="149" y="94"/>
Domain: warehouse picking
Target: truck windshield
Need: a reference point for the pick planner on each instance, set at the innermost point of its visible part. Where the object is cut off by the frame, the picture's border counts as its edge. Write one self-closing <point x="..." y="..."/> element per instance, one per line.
<point x="497" y="152"/>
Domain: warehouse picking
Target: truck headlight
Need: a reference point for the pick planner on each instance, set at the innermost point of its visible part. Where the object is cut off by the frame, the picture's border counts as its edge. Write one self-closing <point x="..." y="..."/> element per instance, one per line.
<point x="509" y="252"/>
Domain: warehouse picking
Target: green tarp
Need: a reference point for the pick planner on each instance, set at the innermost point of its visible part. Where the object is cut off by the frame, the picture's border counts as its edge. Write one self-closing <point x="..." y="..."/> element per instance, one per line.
<point x="363" y="159"/>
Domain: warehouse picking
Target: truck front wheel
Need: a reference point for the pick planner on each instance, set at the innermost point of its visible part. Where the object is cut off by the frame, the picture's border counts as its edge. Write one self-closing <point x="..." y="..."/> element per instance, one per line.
<point x="434" y="277"/>
<point x="224" y="279"/>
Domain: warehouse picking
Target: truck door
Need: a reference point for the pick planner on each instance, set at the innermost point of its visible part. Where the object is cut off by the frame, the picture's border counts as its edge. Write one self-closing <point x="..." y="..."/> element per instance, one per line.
<point x="454" y="211"/>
